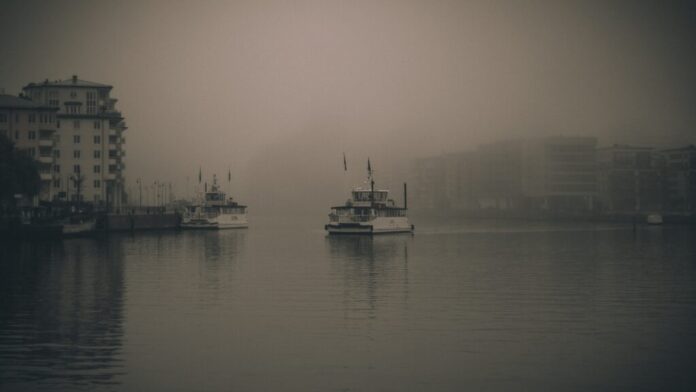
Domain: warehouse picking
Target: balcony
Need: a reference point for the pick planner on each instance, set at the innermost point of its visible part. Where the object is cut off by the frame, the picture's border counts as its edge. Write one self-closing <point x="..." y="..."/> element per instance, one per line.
<point x="45" y="159"/>
<point x="45" y="142"/>
<point x="45" y="176"/>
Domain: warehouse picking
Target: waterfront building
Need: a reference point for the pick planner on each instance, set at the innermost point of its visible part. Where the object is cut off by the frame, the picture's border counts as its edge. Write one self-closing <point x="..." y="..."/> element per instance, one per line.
<point x="550" y="173"/>
<point x="32" y="128"/>
<point x="427" y="177"/>
<point x="547" y="174"/>
<point x="628" y="179"/>
<point x="89" y="141"/>
<point x="499" y="175"/>
<point x="678" y="168"/>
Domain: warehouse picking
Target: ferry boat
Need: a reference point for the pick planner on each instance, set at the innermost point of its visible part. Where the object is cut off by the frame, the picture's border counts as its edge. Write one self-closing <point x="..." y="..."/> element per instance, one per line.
<point x="215" y="211"/>
<point x="369" y="211"/>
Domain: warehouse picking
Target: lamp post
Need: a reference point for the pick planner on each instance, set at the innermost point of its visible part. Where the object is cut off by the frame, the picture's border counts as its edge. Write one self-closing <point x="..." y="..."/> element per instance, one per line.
<point x="140" y="192"/>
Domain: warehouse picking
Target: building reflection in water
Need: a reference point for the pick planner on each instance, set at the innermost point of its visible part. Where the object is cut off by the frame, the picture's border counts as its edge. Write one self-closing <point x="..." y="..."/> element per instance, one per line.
<point x="374" y="270"/>
<point x="221" y="251"/>
<point x="61" y="314"/>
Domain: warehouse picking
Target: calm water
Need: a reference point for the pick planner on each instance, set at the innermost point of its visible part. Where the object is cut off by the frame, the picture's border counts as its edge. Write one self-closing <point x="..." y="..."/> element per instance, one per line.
<point x="475" y="306"/>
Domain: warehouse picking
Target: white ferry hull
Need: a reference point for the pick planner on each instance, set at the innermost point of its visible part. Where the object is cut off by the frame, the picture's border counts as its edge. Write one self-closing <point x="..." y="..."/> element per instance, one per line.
<point x="75" y="229"/>
<point x="219" y="223"/>
<point x="375" y="226"/>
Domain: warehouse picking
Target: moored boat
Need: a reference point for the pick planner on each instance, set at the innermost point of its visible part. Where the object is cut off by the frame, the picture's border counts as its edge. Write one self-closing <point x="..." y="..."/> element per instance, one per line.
<point x="369" y="211"/>
<point x="654" y="219"/>
<point x="77" y="226"/>
<point x="215" y="211"/>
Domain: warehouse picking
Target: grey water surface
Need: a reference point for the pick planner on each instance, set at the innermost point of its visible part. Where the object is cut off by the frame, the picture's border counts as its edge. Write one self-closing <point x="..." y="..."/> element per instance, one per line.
<point x="481" y="306"/>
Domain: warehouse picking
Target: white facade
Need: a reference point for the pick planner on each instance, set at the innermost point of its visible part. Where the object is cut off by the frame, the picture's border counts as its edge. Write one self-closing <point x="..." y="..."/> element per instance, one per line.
<point x="89" y="142"/>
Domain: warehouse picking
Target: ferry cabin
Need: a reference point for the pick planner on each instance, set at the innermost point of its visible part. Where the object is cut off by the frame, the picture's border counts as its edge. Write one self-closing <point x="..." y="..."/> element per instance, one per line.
<point x="215" y="204"/>
<point x="365" y="206"/>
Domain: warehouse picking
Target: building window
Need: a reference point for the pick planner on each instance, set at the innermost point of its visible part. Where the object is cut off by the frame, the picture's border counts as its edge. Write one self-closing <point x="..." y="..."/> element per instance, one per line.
<point x="3" y="118"/>
<point x="97" y="154"/>
<point x="56" y="168"/>
<point x="56" y="153"/>
<point x="32" y="135"/>
<point x="16" y="135"/>
<point x="97" y="125"/>
<point x="76" y="124"/>
<point x="91" y="102"/>
<point x="76" y="139"/>
<point x="56" y="183"/>
<point x="76" y="168"/>
<point x="32" y="118"/>
<point x="53" y="98"/>
<point x="97" y="169"/>
<point x="31" y="152"/>
<point x="76" y="154"/>
<point x="97" y="184"/>
<point x="16" y="117"/>
<point x="73" y="94"/>
<point x="97" y="139"/>
<point x="58" y="124"/>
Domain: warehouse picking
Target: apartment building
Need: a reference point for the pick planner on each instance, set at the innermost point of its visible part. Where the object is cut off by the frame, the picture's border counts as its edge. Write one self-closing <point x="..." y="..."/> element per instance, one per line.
<point x="553" y="173"/>
<point x="678" y="168"/>
<point x="89" y="142"/>
<point x="628" y="179"/>
<point x="560" y="173"/>
<point x="32" y="127"/>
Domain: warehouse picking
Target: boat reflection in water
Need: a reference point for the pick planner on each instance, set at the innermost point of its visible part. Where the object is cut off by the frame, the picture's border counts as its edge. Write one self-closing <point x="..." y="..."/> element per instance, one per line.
<point x="61" y="314"/>
<point x="374" y="270"/>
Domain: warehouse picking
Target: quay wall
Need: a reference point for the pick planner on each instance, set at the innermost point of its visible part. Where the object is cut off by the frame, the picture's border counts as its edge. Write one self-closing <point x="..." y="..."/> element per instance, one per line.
<point x="127" y="222"/>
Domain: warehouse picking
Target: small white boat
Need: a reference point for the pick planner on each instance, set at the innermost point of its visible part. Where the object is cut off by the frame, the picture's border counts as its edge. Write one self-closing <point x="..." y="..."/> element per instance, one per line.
<point x="654" y="219"/>
<point x="369" y="211"/>
<point x="215" y="211"/>
<point x="77" y="226"/>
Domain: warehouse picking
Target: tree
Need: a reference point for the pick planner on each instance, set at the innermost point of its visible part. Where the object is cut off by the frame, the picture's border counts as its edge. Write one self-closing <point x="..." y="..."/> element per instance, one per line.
<point x="78" y="179"/>
<point x="19" y="173"/>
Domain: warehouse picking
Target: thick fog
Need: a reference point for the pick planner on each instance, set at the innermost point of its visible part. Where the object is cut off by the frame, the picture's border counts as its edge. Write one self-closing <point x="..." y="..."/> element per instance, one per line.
<point x="277" y="91"/>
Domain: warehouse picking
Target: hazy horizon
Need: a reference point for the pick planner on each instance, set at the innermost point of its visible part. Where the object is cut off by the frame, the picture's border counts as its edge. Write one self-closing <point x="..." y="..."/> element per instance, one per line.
<point x="277" y="91"/>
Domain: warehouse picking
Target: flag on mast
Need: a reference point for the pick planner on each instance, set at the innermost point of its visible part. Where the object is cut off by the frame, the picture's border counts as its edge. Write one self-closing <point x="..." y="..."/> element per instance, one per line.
<point x="369" y="168"/>
<point x="229" y="175"/>
<point x="200" y="175"/>
<point x="345" y="165"/>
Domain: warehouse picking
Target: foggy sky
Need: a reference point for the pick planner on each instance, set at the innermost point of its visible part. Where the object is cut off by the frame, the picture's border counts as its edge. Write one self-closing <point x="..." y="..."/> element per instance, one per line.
<point x="277" y="90"/>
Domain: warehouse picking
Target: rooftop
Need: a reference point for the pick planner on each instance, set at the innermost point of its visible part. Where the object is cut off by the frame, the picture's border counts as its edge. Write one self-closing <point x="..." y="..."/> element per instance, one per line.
<point x="625" y="147"/>
<point x="71" y="82"/>
<point x="690" y="147"/>
<point x="14" y="102"/>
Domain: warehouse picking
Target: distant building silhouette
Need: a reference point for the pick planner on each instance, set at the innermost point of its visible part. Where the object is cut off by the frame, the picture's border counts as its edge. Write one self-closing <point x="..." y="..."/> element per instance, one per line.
<point x="558" y="175"/>
<point x="678" y="168"/>
<point x="545" y="174"/>
<point x="629" y="179"/>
